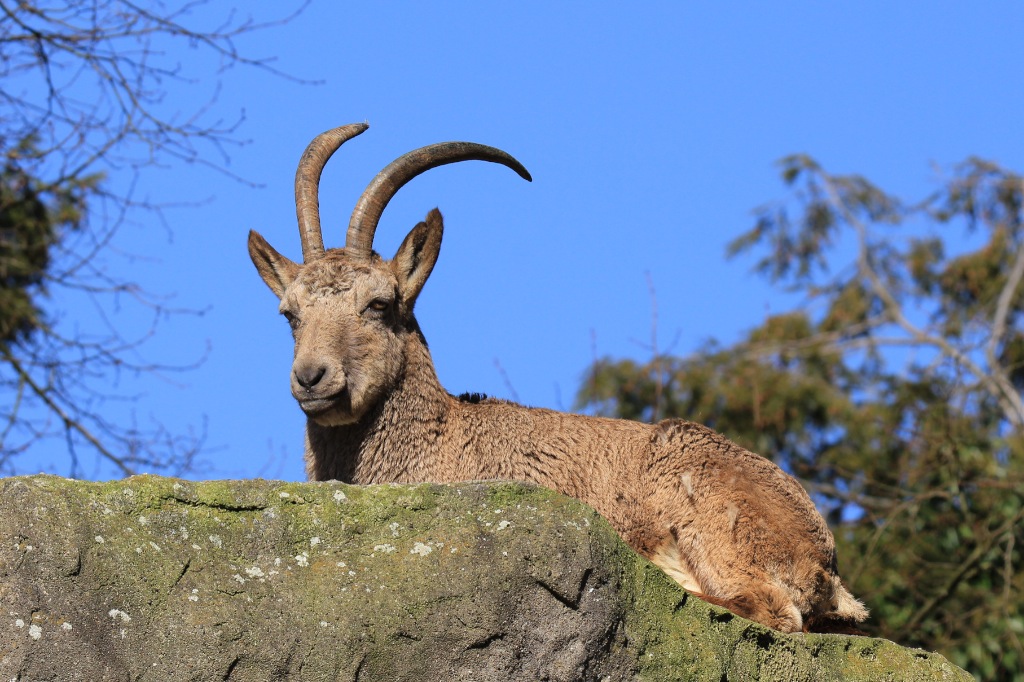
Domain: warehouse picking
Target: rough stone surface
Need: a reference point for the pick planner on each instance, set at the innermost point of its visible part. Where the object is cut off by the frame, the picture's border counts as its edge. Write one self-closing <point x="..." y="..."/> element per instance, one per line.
<point x="160" y="579"/>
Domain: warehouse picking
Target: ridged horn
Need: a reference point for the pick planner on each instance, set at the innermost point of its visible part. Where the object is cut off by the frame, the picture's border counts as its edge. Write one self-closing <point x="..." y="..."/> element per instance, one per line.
<point x="307" y="186"/>
<point x="368" y="210"/>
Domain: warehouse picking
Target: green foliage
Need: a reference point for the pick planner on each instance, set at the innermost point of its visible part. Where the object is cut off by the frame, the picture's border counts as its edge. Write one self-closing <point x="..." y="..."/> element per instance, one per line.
<point x="32" y="218"/>
<point x="894" y="393"/>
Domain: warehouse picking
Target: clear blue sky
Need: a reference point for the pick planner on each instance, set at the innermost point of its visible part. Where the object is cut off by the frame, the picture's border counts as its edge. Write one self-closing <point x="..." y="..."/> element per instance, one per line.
<point x="651" y="131"/>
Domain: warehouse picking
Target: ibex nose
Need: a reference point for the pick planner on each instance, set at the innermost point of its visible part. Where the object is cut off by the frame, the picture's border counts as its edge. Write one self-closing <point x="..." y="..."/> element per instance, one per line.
<point x="310" y="375"/>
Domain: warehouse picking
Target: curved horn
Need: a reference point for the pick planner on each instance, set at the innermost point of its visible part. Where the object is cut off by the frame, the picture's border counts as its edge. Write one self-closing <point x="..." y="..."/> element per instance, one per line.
<point x="359" y="240"/>
<point x="307" y="184"/>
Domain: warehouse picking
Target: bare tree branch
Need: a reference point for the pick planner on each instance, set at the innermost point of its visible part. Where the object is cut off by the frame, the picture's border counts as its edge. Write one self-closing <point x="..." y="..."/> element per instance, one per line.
<point x="992" y="376"/>
<point x="70" y="423"/>
<point x="87" y="105"/>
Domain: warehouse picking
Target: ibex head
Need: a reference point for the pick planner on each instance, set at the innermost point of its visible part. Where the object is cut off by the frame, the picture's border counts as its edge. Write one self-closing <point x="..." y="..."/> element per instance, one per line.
<point x="351" y="312"/>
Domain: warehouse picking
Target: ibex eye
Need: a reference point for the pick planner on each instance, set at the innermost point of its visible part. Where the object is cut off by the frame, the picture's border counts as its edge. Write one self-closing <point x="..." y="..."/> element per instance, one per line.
<point x="380" y="305"/>
<point x="293" y="321"/>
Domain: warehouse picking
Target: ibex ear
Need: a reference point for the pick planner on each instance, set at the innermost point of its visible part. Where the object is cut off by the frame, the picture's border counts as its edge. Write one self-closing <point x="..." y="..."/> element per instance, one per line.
<point x="276" y="270"/>
<point x="416" y="257"/>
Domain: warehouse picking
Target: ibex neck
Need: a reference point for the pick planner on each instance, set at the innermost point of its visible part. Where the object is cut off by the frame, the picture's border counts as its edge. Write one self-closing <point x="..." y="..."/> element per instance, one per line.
<point x="390" y="442"/>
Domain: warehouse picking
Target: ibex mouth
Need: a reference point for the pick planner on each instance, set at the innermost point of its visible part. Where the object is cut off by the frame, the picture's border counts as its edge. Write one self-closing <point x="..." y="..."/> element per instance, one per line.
<point x="340" y="403"/>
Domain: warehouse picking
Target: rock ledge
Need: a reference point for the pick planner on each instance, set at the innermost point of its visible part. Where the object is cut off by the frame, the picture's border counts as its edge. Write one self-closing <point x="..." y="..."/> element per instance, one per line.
<point x="154" y="578"/>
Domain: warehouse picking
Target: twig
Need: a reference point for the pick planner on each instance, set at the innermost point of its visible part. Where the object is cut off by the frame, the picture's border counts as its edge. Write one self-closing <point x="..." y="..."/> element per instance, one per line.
<point x="508" y="383"/>
<point x="960" y="574"/>
<point x="69" y="423"/>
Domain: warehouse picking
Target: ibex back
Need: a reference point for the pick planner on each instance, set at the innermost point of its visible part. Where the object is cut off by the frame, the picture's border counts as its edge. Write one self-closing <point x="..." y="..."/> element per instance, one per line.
<point x="729" y="525"/>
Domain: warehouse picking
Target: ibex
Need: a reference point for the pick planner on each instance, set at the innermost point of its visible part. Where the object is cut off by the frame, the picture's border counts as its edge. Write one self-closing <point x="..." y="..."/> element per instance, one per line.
<point x="727" y="524"/>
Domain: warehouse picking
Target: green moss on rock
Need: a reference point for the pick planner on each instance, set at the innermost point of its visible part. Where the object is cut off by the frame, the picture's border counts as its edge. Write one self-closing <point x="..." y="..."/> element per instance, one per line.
<point x="154" y="578"/>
